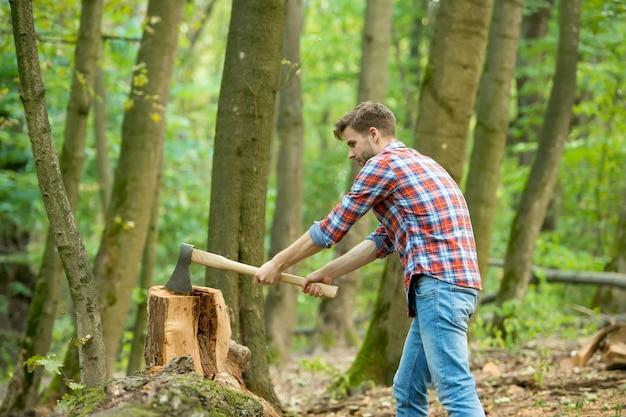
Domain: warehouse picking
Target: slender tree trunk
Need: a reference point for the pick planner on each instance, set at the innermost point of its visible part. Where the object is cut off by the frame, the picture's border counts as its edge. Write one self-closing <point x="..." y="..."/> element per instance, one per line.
<point x="24" y="385"/>
<point x="134" y="186"/>
<point x="195" y="34"/>
<point x="414" y="65"/>
<point x="536" y="194"/>
<point x="447" y="95"/>
<point x="69" y="244"/>
<point x="105" y="173"/>
<point x="240" y="170"/>
<point x="492" y="120"/>
<point x="136" y="359"/>
<point x="450" y="81"/>
<point x="529" y="99"/>
<point x="280" y="303"/>
<point x="336" y="325"/>
<point x="608" y="299"/>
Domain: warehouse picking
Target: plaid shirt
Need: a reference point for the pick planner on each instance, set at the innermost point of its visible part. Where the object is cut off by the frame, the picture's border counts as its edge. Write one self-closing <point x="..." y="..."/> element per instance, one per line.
<point x="422" y="215"/>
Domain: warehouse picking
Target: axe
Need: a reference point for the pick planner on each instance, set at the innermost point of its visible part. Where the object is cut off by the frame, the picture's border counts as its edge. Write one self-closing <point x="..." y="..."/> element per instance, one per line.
<point x="180" y="280"/>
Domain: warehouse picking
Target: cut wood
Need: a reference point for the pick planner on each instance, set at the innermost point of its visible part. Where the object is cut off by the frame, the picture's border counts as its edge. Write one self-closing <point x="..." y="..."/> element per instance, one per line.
<point x="612" y="340"/>
<point x="615" y="349"/>
<point x="196" y="325"/>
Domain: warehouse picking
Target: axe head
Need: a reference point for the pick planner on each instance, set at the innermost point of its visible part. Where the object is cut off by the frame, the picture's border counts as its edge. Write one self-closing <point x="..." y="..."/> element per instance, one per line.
<point x="180" y="281"/>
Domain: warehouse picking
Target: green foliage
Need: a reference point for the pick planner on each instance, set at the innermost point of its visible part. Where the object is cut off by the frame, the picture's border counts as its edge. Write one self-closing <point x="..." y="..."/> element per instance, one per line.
<point x="592" y="180"/>
<point x="50" y="363"/>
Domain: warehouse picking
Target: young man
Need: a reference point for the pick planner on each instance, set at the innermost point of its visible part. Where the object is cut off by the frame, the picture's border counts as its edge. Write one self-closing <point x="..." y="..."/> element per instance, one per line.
<point x="424" y="217"/>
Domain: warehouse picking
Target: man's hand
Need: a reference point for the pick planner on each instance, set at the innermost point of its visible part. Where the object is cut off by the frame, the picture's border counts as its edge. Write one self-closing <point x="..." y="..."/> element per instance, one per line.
<point x="310" y="287"/>
<point x="268" y="273"/>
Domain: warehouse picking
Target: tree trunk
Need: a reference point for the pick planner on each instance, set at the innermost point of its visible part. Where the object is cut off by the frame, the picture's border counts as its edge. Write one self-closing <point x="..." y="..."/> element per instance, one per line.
<point x="414" y="67"/>
<point x="529" y="100"/>
<point x="135" y="360"/>
<point x="608" y="299"/>
<point x="134" y="186"/>
<point x="336" y="325"/>
<point x="240" y="169"/>
<point x="280" y="303"/>
<point x="69" y="244"/>
<point x="460" y="33"/>
<point x="450" y="81"/>
<point x="536" y="195"/>
<point x="380" y="353"/>
<point x="492" y="120"/>
<point x="105" y="172"/>
<point x="24" y="385"/>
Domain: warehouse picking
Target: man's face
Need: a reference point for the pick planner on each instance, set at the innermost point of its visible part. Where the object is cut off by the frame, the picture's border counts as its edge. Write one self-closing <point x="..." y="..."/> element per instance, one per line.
<point x="359" y="148"/>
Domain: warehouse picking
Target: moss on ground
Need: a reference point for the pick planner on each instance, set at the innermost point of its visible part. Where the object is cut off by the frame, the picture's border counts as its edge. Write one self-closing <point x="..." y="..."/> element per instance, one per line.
<point x="162" y="395"/>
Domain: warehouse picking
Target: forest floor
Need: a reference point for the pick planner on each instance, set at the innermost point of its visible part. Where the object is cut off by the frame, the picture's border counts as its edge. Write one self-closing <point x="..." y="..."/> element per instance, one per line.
<point x="536" y="379"/>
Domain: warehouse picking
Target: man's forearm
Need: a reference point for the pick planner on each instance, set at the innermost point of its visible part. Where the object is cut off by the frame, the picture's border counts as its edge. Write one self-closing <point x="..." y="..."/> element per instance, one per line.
<point x="297" y="251"/>
<point x="361" y="254"/>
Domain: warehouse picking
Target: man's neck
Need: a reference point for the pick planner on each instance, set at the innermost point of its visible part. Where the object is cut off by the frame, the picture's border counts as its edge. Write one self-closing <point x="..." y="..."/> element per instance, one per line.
<point x="382" y="142"/>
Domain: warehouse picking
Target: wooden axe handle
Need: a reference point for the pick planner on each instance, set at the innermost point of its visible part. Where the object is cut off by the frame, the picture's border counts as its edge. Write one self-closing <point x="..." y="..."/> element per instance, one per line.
<point x="219" y="262"/>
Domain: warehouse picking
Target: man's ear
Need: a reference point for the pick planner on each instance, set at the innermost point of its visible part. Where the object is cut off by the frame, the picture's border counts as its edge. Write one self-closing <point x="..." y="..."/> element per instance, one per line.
<point x="374" y="133"/>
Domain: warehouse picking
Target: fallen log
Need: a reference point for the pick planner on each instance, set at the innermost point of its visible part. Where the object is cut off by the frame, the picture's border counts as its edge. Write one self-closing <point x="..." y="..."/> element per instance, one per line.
<point x="613" y="279"/>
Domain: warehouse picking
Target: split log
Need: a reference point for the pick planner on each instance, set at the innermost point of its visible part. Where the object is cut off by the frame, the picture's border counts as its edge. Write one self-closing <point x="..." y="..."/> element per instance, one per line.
<point x="614" y="352"/>
<point x="612" y="341"/>
<point x="196" y="325"/>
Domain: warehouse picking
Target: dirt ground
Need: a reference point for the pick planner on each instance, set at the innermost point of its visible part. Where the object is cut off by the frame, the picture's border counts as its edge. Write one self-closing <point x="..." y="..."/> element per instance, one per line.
<point x="535" y="380"/>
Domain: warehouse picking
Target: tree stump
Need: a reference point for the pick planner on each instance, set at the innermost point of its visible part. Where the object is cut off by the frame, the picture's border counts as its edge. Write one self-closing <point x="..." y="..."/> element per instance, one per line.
<point x="196" y="325"/>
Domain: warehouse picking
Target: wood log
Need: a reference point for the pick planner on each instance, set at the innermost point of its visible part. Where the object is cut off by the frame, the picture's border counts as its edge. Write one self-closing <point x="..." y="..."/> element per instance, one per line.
<point x="583" y="355"/>
<point x="614" y="352"/>
<point x="196" y="325"/>
<point x="613" y="279"/>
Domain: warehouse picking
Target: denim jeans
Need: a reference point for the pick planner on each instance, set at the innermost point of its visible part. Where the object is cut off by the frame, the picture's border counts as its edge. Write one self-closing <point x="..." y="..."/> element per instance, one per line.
<point x="435" y="351"/>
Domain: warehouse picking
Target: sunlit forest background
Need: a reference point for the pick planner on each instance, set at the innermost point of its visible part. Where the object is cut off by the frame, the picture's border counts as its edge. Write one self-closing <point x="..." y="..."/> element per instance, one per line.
<point x="581" y="230"/>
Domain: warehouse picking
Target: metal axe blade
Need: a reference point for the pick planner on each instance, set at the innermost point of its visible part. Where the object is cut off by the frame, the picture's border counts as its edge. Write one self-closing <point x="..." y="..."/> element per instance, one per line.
<point x="180" y="281"/>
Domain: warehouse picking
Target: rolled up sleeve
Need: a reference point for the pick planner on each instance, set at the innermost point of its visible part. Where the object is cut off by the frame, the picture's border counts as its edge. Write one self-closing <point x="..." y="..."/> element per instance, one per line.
<point x="384" y="246"/>
<point x="318" y="237"/>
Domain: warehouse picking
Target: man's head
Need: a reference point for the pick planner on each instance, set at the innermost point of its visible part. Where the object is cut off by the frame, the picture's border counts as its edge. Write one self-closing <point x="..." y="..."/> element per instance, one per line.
<point x="366" y="130"/>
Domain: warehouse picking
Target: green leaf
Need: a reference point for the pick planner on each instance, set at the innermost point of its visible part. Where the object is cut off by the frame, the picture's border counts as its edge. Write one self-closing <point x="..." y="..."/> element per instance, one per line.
<point x="75" y="386"/>
<point x="50" y="363"/>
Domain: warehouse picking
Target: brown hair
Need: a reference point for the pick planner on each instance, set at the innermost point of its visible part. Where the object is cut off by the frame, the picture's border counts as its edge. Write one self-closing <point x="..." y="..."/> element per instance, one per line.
<point x="366" y="115"/>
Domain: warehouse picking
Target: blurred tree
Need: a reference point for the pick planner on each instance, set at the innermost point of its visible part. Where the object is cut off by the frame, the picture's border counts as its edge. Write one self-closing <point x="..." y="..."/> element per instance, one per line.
<point x="280" y="303"/>
<point x="146" y="276"/>
<point x="335" y="324"/>
<point x="610" y="299"/>
<point x="539" y="187"/>
<point x="240" y="171"/>
<point x="446" y="102"/>
<point x="68" y="241"/>
<point x="528" y="80"/>
<point x="132" y="197"/>
<point x="492" y="120"/>
<point x="24" y="385"/>
<point x="105" y="173"/>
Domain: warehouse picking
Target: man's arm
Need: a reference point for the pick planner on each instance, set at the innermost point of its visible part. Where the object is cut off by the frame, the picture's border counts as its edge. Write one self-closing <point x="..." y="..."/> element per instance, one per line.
<point x="302" y="248"/>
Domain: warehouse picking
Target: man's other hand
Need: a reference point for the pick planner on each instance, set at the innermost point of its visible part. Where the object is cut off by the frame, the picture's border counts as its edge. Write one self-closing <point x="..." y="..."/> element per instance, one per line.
<point x="310" y="287"/>
<point x="268" y="273"/>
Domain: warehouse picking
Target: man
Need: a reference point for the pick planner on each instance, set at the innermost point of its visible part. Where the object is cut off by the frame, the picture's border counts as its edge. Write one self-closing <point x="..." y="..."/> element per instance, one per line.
<point x="424" y="217"/>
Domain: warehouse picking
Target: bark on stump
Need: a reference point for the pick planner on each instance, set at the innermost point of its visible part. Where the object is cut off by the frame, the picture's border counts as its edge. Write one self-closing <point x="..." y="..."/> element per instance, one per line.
<point x="196" y="325"/>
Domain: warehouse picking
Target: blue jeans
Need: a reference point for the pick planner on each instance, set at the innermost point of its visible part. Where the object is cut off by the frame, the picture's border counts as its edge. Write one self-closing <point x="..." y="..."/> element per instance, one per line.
<point x="435" y="351"/>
